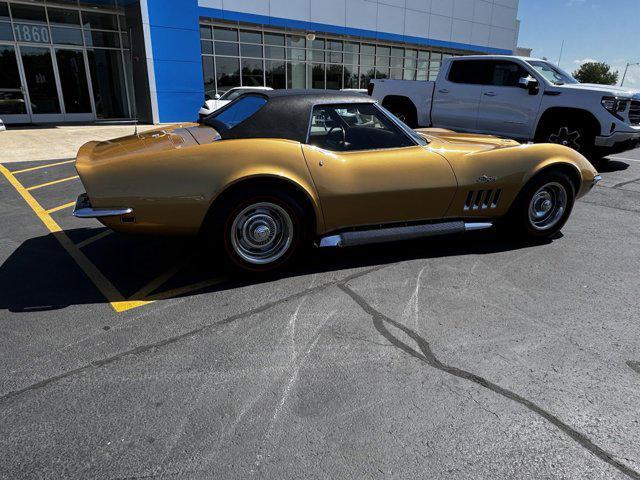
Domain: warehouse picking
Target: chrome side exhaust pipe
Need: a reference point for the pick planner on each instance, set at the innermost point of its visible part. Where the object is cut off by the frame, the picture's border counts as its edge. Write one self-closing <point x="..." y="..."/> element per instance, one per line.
<point x="394" y="234"/>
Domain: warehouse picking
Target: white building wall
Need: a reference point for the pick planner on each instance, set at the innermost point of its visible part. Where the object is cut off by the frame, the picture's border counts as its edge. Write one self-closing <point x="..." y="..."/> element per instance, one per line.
<point x="485" y="23"/>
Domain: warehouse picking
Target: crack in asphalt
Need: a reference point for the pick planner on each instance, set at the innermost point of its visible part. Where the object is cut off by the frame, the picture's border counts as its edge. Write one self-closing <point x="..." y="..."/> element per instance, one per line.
<point x="622" y="184"/>
<point x="427" y="356"/>
<point x="171" y="340"/>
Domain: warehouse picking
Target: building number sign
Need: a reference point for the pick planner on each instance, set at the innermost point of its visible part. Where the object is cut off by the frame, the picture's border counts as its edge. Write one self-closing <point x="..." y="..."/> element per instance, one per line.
<point x="31" y="33"/>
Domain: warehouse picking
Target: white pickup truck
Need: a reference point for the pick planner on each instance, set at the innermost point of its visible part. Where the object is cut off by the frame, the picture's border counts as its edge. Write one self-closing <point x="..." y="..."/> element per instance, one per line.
<point x="517" y="97"/>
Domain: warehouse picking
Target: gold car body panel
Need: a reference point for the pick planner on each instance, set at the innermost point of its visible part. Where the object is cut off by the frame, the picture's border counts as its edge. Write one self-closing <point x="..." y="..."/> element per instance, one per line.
<point x="374" y="187"/>
<point x="170" y="180"/>
<point x="484" y="164"/>
<point x="171" y="187"/>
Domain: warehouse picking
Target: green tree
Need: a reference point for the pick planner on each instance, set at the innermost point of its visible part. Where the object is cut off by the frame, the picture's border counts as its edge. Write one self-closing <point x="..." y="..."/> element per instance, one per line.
<point x="596" y="72"/>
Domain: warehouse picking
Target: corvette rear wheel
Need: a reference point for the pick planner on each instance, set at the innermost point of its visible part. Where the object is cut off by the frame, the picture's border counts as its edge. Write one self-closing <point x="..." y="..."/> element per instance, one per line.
<point x="543" y="207"/>
<point x="261" y="231"/>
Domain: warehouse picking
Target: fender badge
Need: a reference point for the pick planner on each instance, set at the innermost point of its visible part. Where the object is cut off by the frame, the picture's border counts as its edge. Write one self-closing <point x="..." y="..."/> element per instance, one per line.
<point x="486" y="179"/>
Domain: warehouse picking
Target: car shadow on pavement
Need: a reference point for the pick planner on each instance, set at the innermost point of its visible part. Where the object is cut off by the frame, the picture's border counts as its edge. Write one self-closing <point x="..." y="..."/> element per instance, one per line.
<point x="612" y="166"/>
<point x="41" y="276"/>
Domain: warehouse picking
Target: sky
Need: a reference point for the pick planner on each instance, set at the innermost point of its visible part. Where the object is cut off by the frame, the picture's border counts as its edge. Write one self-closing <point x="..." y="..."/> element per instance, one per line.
<point x="601" y="30"/>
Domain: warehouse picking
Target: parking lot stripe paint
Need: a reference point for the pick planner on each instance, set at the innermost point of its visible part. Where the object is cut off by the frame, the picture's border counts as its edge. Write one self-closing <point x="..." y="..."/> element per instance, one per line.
<point x="35" y="187"/>
<point x="61" y="207"/>
<point x="32" y="169"/>
<point x="625" y="159"/>
<point x="176" y="292"/>
<point x="117" y="301"/>
<point x="95" y="238"/>
<point x="160" y="280"/>
<point x="100" y="281"/>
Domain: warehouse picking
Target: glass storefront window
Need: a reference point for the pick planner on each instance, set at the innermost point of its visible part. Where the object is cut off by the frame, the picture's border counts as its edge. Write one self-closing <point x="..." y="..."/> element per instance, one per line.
<point x="248" y="57"/>
<point x="101" y="39"/>
<point x="227" y="73"/>
<point x="334" y="77"/>
<point x="38" y="71"/>
<point x="228" y="34"/>
<point x="250" y="36"/>
<point x="205" y="32"/>
<point x="59" y="16"/>
<point x="226" y="48"/>
<point x="102" y="21"/>
<point x="11" y="97"/>
<point x="107" y="79"/>
<point x="66" y="36"/>
<point x="4" y="11"/>
<point x="208" y="77"/>
<point x="275" y="74"/>
<point x="274" y="39"/>
<point x="248" y="50"/>
<point x="252" y="73"/>
<point x="6" y="32"/>
<point x="28" y="13"/>
<point x="73" y="81"/>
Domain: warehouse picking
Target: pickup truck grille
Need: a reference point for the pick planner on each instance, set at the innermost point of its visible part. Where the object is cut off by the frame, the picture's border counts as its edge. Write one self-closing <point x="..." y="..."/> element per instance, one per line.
<point x="634" y="113"/>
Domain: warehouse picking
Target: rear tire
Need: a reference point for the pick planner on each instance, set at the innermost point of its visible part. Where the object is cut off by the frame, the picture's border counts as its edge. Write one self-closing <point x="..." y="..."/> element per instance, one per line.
<point x="542" y="208"/>
<point x="258" y="232"/>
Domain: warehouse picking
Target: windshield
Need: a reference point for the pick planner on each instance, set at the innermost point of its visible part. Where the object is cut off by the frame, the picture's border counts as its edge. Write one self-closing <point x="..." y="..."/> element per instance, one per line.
<point x="419" y="139"/>
<point x="552" y="73"/>
<point x="235" y="93"/>
<point x="235" y="112"/>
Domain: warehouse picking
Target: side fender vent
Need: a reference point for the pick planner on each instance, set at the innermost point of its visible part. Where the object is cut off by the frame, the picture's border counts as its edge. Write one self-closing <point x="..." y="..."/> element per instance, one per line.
<point x="482" y="199"/>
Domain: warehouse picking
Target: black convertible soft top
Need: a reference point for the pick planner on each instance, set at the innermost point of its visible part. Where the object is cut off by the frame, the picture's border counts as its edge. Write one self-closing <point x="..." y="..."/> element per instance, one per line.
<point x="287" y="113"/>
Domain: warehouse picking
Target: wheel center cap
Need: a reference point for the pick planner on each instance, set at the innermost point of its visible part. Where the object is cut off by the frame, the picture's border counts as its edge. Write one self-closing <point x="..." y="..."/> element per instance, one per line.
<point x="546" y="205"/>
<point x="261" y="233"/>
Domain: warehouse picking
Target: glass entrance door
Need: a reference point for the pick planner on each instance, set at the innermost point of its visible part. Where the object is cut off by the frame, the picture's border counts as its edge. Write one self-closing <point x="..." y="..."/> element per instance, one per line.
<point x="13" y="106"/>
<point x="39" y="73"/>
<point x="74" y="84"/>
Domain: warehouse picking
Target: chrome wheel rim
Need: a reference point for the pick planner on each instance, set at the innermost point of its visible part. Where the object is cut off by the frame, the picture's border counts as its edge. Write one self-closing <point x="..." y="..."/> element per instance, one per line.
<point x="568" y="138"/>
<point x="547" y="206"/>
<point x="262" y="233"/>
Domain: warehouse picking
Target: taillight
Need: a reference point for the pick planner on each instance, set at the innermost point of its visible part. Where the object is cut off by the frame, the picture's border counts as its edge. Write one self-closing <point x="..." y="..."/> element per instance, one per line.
<point x="370" y="89"/>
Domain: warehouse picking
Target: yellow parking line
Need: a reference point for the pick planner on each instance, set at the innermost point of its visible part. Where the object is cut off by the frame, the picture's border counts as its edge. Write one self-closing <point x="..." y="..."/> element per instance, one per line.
<point x="61" y="207"/>
<point x="95" y="238"/>
<point x="35" y="187"/>
<point x="100" y="281"/>
<point x="108" y="290"/>
<point x="42" y="166"/>
<point x="160" y="280"/>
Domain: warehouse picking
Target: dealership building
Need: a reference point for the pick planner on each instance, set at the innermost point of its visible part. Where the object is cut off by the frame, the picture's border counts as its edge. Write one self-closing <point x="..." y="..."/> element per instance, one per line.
<point x="157" y="60"/>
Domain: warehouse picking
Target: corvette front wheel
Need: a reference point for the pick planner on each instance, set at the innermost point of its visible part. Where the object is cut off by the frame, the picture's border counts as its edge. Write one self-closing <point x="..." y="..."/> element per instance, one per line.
<point x="543" y="207"/>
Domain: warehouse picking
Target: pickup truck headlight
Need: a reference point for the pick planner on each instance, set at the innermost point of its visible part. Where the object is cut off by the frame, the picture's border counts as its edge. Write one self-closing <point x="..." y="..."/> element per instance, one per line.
<point x="615" y="105"/>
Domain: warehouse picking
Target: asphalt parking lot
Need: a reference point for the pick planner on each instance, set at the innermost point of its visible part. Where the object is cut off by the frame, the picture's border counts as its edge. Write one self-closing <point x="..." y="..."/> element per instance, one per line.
<point x="467" y="357"/>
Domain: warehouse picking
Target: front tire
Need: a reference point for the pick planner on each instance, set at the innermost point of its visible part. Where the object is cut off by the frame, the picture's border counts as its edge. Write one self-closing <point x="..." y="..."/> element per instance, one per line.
<point x="260" y="231"/>
<point x="543" y="207"/>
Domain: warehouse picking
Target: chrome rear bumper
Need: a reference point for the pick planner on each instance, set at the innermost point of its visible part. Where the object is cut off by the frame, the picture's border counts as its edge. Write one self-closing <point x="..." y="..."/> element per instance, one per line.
<point x="83" y="209"/>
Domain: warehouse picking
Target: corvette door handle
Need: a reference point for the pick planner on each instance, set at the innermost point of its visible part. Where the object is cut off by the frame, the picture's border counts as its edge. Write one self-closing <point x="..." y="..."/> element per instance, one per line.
<point x="489" y="94"/>
<point x="443" y="90"/>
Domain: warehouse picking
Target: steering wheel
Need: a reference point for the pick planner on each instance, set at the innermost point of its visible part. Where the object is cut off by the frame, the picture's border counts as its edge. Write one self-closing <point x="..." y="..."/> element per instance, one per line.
<point x="344" y="134"/>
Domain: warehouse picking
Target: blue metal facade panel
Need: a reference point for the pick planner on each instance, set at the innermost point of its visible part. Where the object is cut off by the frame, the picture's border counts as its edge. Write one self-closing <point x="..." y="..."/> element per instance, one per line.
<point x="175" y="40"/>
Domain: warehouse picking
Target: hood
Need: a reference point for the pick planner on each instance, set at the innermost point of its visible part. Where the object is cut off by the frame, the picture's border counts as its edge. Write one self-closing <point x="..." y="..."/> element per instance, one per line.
<point x="604" y="89"/>
<point x="448" y="140"/>
<point x="156" y="140"/>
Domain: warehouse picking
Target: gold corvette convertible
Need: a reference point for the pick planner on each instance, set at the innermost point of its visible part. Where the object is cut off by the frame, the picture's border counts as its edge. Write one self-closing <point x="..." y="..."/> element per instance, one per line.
<point x="274" y="171"/>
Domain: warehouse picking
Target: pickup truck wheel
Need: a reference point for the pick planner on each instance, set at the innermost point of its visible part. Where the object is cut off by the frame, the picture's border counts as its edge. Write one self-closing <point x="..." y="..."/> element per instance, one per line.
<point x="405" y="115"/>
<point x="542" y="207"/>
<point x="570" y="135"/>
<point x="260" y="232"/>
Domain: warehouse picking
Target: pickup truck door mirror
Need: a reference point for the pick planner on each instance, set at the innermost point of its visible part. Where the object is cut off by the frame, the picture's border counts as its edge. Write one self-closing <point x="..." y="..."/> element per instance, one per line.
<point x="529" y="83"/>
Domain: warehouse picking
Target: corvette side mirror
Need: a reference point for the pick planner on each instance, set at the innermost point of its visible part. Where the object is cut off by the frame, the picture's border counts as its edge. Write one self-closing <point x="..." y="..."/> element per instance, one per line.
<point x="529" y="83"/>
<point x="216" y="96"/>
